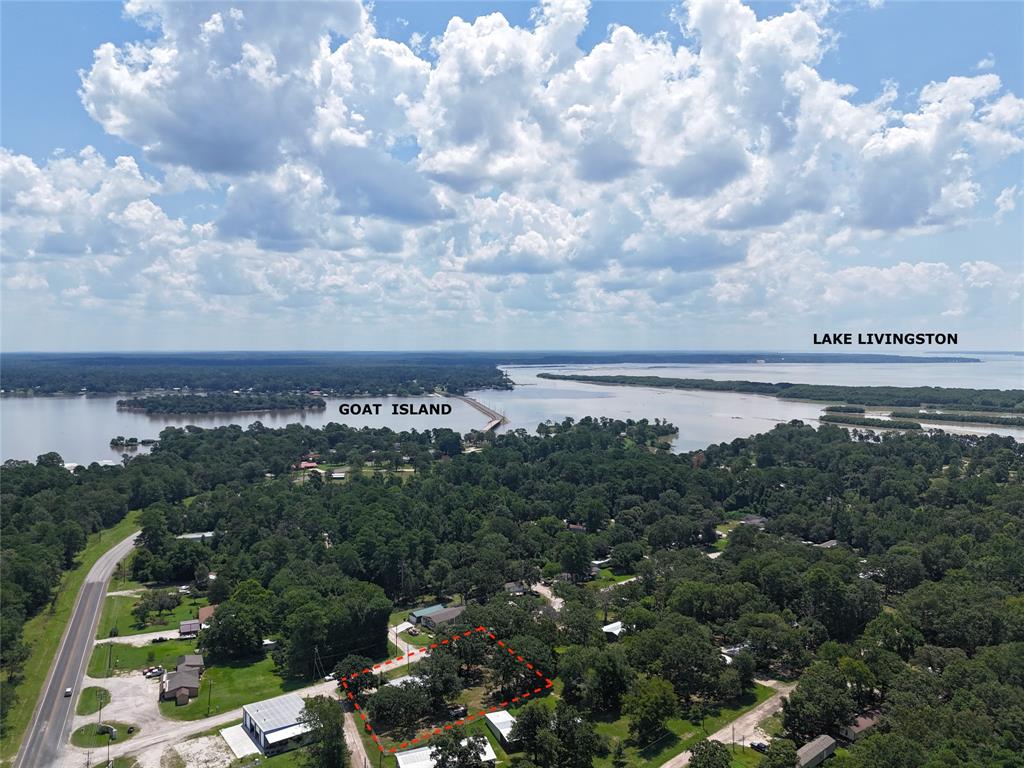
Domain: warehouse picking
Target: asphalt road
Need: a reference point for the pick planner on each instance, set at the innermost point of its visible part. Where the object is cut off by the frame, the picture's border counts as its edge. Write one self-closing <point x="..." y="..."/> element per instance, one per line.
<point x="49" y="729"/>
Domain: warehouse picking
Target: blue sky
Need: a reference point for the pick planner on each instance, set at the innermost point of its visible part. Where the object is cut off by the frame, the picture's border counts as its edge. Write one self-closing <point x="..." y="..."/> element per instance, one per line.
<point x="565" y="175"/>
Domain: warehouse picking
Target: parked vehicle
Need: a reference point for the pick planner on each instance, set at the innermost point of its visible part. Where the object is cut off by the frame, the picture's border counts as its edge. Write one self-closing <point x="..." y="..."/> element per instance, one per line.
<point x="759" y="746"/>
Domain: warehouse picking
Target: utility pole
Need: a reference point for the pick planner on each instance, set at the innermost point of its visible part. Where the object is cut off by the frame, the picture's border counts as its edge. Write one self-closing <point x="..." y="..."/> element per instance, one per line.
<point x="110" y="651"/>
<point x="209" y="696"/>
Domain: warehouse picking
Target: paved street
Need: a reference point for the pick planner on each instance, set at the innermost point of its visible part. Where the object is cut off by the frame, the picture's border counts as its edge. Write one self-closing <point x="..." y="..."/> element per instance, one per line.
<point x="49" y="729"/>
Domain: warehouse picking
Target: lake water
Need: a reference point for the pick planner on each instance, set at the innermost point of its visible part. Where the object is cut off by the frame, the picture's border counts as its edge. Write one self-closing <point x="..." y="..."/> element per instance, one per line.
<point x="80" y="428"/>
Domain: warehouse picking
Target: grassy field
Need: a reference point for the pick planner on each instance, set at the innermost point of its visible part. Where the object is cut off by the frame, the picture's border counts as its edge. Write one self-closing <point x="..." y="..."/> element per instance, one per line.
<point x="87" y="736"/>
<point x="90" y="699"/>
<point x="608" y="578"/>
<point x="224" y="687"/>
<point x="744" y="757"/>
<point x="422" y="639"/>
<point x="117" y="613"/>
<point x="126" y="658"/>
<point x="682" y="734"/>
<point x="725" y="528"/>
<point x="43" y="632"/>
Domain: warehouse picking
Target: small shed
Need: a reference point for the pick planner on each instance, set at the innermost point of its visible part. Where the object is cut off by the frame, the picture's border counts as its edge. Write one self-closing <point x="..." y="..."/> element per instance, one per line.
<point x="189" y="628"/>
<point x="500" y="723"/>
<point x="814" y="753"/>
<point x="516" y="588"/>
<point x="613" y="631"/>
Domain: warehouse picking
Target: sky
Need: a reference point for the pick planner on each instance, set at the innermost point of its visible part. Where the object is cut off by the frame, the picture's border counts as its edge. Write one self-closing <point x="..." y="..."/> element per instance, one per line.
<point x="509" y="175"/>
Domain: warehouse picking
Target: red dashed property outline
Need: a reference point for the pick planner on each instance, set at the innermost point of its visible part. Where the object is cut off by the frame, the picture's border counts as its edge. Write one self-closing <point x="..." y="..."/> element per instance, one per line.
<point x="425" y="736"/>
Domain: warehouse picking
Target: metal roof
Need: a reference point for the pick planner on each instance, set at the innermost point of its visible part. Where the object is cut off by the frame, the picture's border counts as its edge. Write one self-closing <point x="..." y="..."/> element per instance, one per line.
<point x="421" y="612"/>
<point x="501" y="720"/>
<point x="286" y="733"/>
<point x="812" y="749"/>
<point x="274" y="714"/>
<point x="614" y="628"/>
<point x="446" y="614"/>
<point x="420" y="758"/>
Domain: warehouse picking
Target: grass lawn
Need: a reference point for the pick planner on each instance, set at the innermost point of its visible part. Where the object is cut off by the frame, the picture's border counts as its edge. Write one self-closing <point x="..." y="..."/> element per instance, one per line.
<point x="402" y="614"/>
<point x="744" y="757"/>
<point x="771" y="725"/>
<point x="726" y="528"/>
<point x="682" y="734"/>
<point x="117" y="612"/>
<point x="44" y="631"/>
<point x="422" y="639"/>
<point x="126" y="658"/>
<point x="121" y="580"/>
<point x="227" y="686"/>
<point x="90" y="700"/>
<point x="608" y="578"/>
<point x="89" y="737"/>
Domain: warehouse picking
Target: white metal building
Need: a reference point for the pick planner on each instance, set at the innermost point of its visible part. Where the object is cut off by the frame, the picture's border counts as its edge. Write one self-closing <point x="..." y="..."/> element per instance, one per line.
<point x="421" y="758"/>
<point x="500" y="723"/>
<point x="274" y="724"/>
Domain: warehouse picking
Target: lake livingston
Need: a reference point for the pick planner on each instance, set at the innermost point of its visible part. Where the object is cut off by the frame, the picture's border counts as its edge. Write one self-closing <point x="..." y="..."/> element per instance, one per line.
<point x="79" y="428"/>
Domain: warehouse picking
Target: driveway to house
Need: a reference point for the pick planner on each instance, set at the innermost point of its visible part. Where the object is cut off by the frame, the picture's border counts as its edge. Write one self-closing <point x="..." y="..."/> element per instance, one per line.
<point x="744" y="729"/>
<point x="547" y="594"/>
<point x="144" y="639"/>
<point x="417" y="651"/>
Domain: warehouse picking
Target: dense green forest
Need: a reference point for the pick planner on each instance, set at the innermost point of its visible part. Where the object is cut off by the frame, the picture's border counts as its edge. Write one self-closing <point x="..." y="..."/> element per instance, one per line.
<point x="339" y="374"/>
<point x="344" y="373"/>
<point x="956" y="418"/>
<point x="947" y="397"/>
<point x="918" y="611"/>
<point x="223" y="403"/>
<point x="863" y="421"/>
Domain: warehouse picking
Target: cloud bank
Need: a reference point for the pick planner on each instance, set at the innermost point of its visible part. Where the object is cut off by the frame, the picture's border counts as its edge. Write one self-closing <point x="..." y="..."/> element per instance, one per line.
<point x="501" y="176"/>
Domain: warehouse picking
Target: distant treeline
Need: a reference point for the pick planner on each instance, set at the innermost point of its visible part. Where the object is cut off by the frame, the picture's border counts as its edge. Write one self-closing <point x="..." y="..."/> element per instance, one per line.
<point x="910" y="397"/>
<point x="965" y="418"/>
<point x="222" y="403"/>
<point x="862" y="421"/>
<point x="337" y="374"/>
<point x="844" y="409"/>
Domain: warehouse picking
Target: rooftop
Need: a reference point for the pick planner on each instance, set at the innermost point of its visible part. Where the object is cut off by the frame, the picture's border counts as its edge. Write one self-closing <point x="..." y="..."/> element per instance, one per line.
<point x="446" y="614"/>
<point x="501" y="720"/>
<point x="187" y="678"/>
<point x="420" y="758"/>
<point x="276" y="713"/>
<point x="419" y="613"/>
<point x="614" y="628"/>
<point x="812" y="749"/>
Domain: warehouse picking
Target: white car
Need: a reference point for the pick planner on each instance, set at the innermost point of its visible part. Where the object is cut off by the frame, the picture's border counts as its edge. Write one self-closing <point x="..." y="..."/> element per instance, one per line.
<point x="67" y="693"/>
